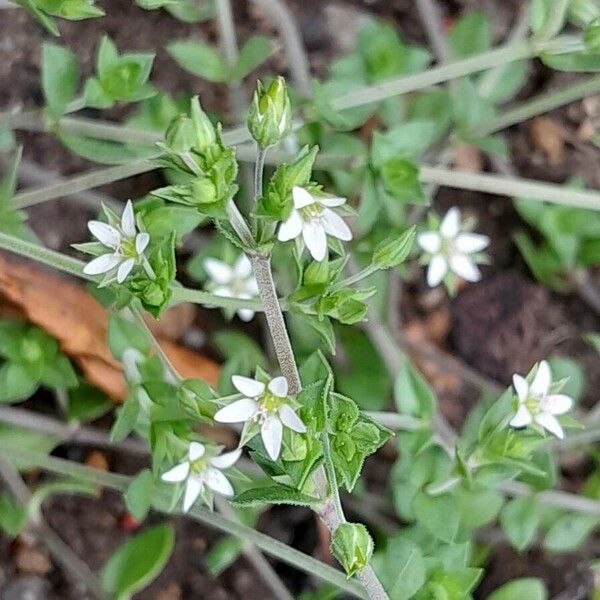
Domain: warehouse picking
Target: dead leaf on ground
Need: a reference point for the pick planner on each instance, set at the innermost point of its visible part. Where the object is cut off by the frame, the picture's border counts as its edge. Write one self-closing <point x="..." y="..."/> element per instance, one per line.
<point x="79" y="322"/>
<point x="547" y="136"/>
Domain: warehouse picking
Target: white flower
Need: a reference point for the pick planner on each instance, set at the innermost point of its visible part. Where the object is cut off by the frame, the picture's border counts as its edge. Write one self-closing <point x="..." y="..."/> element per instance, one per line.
<point x="537" y="404"/>
<point x="450" y="249"/>
<point x="267" y="405"/>
<point x="125" y="243"/>
<point x="233" y="282"/>
<point x="313" y="218"/>
<point x="199" y="472"/>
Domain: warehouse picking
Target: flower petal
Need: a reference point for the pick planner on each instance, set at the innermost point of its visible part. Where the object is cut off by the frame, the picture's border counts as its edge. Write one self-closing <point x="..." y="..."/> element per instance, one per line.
<point x="124" y="269"/>
<point x="557" y="404"/>
<point x="128" y="220"/>
<point x="242" y="267"/>
<point x="450" y="224"/>
<point x="336" y="226"/>
<point x="106" y="234"/>
<point x="464" y="267"/>
<point x="217" y="482"/>
<point x="194" y="486"/>
<point x="438" y="267"/>
<point x="290" y="419"/>
<point x="271" y="433"/>
<point x="315" y="239"/>
<point x="522" y="418"/>
<point x="301" y="197"/>
<point x="141" y="242"/>
<point x="245" y="314"/>
<point x="291" y="228"/>
<point x="220" y="272"/>
<point x="102" y="264"/>
<point x="549" y="422"/>
<point x="226" y="460"/>
<point x="279" y="386"/>
<point x="177" y="473"/>
<point x="332" y="202"/>
<point x="196" y="451"/>
<point x="467" y="243"/>
<point x="521" y="387"/>
<point x="430" y="241"/>
<point x="249" y="387"/>
<point x="237" y="412"/>
<point x="542" y="380"/>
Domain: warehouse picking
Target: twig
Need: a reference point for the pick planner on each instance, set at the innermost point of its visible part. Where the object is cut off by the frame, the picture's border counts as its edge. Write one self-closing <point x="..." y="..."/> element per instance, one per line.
<point x="430" y="18"/>
<point x="60" y="551"/>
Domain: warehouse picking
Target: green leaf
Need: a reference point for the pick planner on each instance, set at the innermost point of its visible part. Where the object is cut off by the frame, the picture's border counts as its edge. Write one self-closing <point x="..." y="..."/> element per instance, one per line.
<point x="440" y="516"/>
<point x="199" y="59"/>
<point x="103" y="151"/>
<point x="412" y="393"/>
<point x="25" y="439"/>
<point x="59" y="373"/>
<point x="470" y="109"/>
<point x="520" y="519"/>
<point x="139" y="494"/>
<point x="470" y="35"/>
<point x="126" y="419"/>
<point x="60" y="75"/>
<point x="569" y="532"/>
<point x="526" y="588"/>
<point x="276" y="494"/>
<point x="87" y="403"/>
<point x="408" y="140"/>
<point x="253" y="53"/>
<point x="574" y="61"/>
<point x="138" y="562"/>
<point x="16" y="383"/>
<point x="223" y="554"/>
<point x="571" y="370"/>
<point x="401" y="180"/>
<point x="13" y="516"/>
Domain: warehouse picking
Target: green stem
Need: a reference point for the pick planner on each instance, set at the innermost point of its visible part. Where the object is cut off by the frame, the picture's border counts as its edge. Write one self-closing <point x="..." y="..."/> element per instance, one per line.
<point x="357" y="277"/>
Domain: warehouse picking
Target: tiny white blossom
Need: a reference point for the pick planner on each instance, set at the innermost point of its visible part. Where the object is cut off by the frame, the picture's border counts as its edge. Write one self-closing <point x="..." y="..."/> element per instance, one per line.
<point x="537" y="404"/>
<point x="450" y="249"/>
<point x="200" y="472"/>
<point x="233" y="282"/>
<point x="313" y="218"/>
<point x="267" y="405"/>
<point x="126" y="247"/>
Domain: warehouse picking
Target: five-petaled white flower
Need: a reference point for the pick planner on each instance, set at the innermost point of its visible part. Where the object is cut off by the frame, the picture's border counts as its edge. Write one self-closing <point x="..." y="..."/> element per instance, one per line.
<point x="199" y="471"/>
<point x="537" y="404"/>
<point x="313" y="218"/>
<point x="126" y="244"/>
<point x="233" y="282"/>
<point x="267" y="405"/>
<point x="450" y="249"/>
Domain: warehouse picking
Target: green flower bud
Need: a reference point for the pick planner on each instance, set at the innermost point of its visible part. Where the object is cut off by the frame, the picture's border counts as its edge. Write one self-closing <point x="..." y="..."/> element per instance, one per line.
<point x="205" y="132"/>
<point x="179" y="136"/>
<point x="591" y="36"/>
<point x="270" y="114"/>
<point x="204" y="191"/>
<point x="583" y="12"/>
<point x="317" y="273"/>
<point x="352" y="546"/>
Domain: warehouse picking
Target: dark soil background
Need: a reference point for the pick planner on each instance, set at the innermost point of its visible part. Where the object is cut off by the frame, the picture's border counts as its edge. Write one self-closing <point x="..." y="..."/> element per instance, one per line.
<point x="500" y="326"/>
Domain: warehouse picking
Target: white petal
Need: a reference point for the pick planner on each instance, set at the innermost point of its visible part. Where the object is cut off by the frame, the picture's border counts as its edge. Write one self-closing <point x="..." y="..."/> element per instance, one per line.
<point x="245" y="314"/>
<point x="430" y="241"/>
<point x="271" y="433"/>
<point x="450" y="224"/>
<point x="196" y="451"/>
<point x="141" y="242"/>
<point x="301" y="197"/>
<point x="332" y="202"/>
<point x="102" y="264"/>
<point x="522" y="418"/>
<point x="438" y="267"/>
<point x="248" y="387"/>
<point x="217" y="482"/>
<point x="193" y="488"/>
<point x="128" y="220"/>
<point x="290" y="419"/>
<point x="242" y="267"/>
<point x="334" y="225"/>
<point x="464" y="267"/>
<point x="468" y="243"/>
<point x="291" y="228"/>
<point x="219" y="271"/>
<point x="223" y="290"/>
<point x="542" y="380"/>
<point x="557" y="404"/>
<point x="279" y="386"/>
<point x="251" y="287"/>
<point x="521" y="387"/>
<point x="224" y="461"/>
<point x="315" y="239"/>
<point x="177" y="473"/>
<point x="237" y="412"/>
<point x="105" y="233"/>
<point x="549" y="422"/>
<point x="124" y="269"/>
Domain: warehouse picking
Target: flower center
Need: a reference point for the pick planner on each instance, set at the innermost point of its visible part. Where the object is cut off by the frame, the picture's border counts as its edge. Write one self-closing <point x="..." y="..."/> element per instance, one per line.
<point x="534" y="404"/>
<point x="127" y="248"/>
<point x="312" y="211"/>
<point x="198" y="466"/>
<point x="268" y="404"/>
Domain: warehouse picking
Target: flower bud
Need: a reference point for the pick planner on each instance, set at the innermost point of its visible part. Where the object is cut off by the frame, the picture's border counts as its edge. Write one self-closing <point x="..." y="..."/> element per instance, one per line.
<point x="179" y="136"/>
<point x="583" y="12"/>
<point x="270" y="114"/>
<point x="205" y="131"/>
<point x="591" y="36"/>
<point x="352" y="546"/>
<point x="204" y="191"/>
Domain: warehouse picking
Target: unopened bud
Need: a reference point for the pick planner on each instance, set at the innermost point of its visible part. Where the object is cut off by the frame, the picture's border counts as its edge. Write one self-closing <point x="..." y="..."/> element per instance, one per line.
<point x="352" y="546"/>
<point x="204" y="130"/>
<point x="270" y="114"/>
<point x="179" y="136"/>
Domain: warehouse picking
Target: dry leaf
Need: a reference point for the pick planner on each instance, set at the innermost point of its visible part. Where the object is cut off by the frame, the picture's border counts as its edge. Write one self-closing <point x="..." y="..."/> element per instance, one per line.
<point x="546" y="136"/>
<point x="79" y="323"/>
